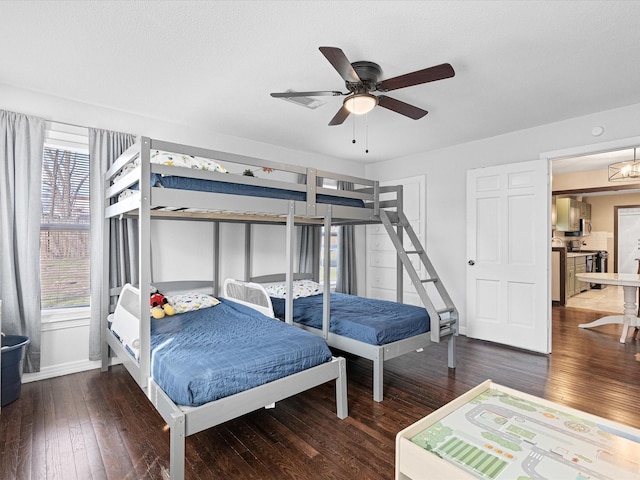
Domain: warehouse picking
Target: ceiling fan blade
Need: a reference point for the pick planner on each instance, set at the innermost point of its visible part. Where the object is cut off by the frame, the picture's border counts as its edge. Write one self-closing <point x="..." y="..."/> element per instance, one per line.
<point x="339" y="117"/>
<point x="431" y="74"/>
<point x="306" y="94"/>
<point x="401" y="107"/>
<point x="341" y="63"/>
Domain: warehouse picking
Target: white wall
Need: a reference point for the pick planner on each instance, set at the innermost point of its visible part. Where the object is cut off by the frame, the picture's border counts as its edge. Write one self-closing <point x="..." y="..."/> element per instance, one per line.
<point x="179" y="248"/>
<point x="446" y="180"/>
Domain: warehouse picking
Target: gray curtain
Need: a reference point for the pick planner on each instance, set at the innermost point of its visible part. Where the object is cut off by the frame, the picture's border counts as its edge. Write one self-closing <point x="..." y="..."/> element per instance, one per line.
<point x="21" y="146"/>
<point x="309" y="257"/>
<point x="104" y="148"/>
<point x="346" y="278"/>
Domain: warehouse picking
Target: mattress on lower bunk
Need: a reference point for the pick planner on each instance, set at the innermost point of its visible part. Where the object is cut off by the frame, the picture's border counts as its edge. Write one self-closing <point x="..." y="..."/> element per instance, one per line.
<point x="215" y="186"/>
<point x="208" y="354"/>
<point x="372" y="321"/>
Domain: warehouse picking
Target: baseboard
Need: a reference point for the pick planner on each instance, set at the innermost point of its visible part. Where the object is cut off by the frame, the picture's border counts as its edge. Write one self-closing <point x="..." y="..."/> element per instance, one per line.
<point x="64" y="369"/>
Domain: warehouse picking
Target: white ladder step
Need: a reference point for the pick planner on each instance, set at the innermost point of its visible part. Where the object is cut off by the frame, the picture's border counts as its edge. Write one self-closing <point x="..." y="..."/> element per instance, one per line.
<point x="445" y="310"/>
<point x="427" y="280"/>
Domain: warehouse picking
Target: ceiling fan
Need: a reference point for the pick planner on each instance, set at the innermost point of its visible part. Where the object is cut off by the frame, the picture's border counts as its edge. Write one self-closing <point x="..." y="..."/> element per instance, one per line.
<point x="362" y="78"/>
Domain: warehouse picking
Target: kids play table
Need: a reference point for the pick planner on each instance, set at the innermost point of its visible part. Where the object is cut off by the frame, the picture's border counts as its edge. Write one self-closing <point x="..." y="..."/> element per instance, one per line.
<point x="493" y="432"/>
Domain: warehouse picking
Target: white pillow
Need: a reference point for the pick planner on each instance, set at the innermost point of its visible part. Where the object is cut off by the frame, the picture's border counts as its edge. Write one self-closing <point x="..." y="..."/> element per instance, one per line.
<point x="186" y="302"/>
<point x="301" y="288"/>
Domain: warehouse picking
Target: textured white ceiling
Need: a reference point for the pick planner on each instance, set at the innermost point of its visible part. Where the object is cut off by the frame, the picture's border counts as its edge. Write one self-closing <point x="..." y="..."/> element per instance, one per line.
<point x="213" y="64"/>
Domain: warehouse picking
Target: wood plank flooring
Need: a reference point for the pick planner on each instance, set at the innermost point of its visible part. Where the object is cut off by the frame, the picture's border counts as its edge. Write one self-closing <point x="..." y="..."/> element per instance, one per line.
<point x="94" y="425"/>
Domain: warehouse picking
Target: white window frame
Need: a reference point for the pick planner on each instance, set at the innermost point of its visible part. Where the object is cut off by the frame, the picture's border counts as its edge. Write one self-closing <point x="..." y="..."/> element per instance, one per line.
<point x="75" y="139"/>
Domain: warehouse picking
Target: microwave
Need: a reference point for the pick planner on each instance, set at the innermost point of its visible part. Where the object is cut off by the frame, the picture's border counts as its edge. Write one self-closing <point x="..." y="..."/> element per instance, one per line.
<point x="585" y="229"/>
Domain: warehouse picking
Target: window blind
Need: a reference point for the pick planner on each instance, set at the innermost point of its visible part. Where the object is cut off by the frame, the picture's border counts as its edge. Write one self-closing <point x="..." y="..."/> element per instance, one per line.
<point x="64" y="226"/>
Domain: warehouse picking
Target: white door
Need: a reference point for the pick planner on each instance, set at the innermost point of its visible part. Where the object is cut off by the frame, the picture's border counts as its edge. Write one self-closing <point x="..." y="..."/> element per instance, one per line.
<point x="628" y="239"/>
<point x="508" y="228"/>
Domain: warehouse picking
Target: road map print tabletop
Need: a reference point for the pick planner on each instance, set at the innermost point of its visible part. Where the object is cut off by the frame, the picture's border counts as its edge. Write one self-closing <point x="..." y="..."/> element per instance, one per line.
<point x="500" y="435"/>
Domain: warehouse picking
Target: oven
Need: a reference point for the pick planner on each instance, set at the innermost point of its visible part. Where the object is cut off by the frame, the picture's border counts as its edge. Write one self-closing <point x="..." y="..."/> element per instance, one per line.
<point x="600" y="262"/>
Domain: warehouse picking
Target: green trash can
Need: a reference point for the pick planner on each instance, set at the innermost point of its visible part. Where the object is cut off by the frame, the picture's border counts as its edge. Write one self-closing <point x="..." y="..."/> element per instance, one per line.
<point x="13" y="348"/>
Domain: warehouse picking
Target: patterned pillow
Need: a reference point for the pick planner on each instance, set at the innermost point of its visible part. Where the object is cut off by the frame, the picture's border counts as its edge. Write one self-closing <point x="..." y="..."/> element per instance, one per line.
<point x="185" y="302"/>
<point x="301" y="288"/>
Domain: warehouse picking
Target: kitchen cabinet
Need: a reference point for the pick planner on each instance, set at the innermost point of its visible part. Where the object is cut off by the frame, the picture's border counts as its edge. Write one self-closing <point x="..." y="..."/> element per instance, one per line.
<point x="580" y="267"/>
<point x="568" y="213"/>
<point x="558" y="272"/>
<point x="571" y="277"/>
<point x="576" y="264"/>
<point x="585" y="211"/>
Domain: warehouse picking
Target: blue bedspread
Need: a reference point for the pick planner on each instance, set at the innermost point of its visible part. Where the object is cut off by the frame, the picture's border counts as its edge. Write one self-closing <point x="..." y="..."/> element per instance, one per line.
<point x="215" y="186"/>
<point x="204" y="355"/>
<point x="376" y="322"/>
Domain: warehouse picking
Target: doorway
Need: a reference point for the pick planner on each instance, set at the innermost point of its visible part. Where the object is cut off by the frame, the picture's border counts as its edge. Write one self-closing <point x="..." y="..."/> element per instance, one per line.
<point x="582" y="173"/>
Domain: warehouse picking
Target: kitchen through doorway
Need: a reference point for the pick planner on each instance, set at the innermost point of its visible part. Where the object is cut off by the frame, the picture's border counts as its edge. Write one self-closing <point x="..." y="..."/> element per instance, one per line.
<point x="581" y="178"/>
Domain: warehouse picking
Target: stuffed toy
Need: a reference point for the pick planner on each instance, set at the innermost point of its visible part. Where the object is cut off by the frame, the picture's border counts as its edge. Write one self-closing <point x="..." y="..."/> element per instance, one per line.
<point x="160" y="306"/>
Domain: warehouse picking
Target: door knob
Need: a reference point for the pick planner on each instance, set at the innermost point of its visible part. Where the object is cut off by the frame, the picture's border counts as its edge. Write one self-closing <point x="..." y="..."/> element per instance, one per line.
<point x="471" y="262"/>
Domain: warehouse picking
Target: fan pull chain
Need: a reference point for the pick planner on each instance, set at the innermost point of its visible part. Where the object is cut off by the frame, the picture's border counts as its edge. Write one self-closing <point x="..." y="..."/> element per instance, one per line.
<point x="366" y="134"/>
<point x="353" y="118"/>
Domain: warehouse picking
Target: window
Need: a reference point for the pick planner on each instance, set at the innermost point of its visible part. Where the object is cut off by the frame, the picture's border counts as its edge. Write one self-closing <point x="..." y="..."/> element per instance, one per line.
<point x="333" y="256"/>
<point x="64" y="225"/>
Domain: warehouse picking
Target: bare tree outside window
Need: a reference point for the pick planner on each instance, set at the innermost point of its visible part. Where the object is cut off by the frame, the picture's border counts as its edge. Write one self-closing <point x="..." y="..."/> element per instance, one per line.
<point x="64" y="230"/>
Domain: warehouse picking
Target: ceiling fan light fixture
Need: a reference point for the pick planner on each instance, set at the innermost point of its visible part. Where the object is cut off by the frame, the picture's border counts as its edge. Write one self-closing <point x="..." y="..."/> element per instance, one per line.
<point x="625" y="170"/>
<point x="360" y="103"/>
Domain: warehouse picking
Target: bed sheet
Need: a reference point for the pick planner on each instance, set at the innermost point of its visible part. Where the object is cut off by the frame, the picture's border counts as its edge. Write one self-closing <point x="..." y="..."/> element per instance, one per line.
<point x="205" y="355"/>
<point x="215" y="186"/>
<point x="372" y="321"/>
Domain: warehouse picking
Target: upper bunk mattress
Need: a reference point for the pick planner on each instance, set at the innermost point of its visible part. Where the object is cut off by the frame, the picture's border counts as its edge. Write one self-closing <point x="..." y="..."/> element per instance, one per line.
<point x="208" y="354"/>
<point x="372" y="321"/>
<point x="215" y="186"/>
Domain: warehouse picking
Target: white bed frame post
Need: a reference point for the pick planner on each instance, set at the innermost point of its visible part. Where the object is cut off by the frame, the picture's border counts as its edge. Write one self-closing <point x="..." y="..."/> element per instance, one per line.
<point x="177" y="431"/>
<point x="290" y="245"/>
<point x="342" y="407"/>
<point x="144" y="265"/>
<point x="311" y="191"/>
<point x="399" y="233"/>
<point x="248" y="266"/>
<point x="216" y="258"/>
<point x="326" y="295"/>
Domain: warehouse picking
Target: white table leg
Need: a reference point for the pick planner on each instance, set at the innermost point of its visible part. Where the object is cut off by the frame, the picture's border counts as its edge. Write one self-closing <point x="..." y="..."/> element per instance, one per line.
<point x="627" y="320"/>
<point x="630" y="310"/>
<point x="611" y="319"/>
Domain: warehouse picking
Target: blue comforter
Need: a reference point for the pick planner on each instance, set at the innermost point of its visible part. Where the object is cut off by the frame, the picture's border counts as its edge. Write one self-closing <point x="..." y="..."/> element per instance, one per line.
<point x="215" y="186"/>
<point x="207" y="354"/>
<point x="376" y="322"/>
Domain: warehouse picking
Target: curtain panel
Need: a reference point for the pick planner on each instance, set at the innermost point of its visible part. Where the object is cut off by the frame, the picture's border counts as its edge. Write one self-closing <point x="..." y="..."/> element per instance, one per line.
<point x="21" y="147"/>
<point x="104" y="148"/>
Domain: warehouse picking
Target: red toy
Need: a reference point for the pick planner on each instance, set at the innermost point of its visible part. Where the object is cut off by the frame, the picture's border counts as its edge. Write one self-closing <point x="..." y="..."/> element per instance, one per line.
<point x="160" y="306"/>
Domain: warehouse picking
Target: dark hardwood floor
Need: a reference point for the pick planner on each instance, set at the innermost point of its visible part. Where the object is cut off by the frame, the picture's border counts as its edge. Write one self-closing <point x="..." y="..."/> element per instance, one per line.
<point x="96" y="425"/>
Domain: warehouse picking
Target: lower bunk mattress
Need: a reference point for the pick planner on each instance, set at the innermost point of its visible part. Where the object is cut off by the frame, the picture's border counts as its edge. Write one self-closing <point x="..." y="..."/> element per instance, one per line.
<point x="376" y="322"/>
<point x="204" y="355"/>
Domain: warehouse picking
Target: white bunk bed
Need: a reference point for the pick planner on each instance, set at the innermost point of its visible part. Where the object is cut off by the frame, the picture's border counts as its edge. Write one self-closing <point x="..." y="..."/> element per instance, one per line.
<point x="132" y="195"/>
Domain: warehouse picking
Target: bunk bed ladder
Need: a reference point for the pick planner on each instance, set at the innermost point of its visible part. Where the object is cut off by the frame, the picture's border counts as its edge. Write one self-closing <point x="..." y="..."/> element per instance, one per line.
<point x="447" y="314"/>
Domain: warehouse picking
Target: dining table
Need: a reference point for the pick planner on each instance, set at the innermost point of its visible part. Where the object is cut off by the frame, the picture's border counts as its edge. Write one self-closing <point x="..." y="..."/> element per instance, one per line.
<point x="629" y="283"/>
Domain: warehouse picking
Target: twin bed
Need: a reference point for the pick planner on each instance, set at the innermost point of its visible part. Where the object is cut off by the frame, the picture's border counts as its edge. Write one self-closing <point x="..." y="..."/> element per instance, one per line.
<point x="206" y="366"/>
